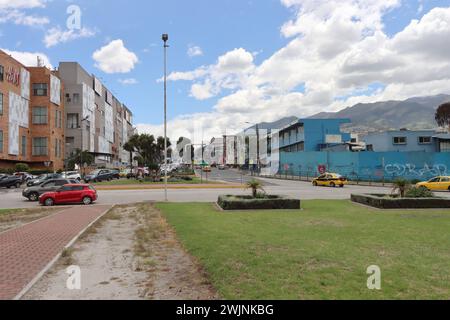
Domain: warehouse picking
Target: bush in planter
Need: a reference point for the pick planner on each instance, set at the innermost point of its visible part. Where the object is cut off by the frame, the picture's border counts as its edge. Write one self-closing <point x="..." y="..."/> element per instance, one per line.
<point x="22" y="167"/>
<point x="419" y="193"/>
<point x="250" y="203"/>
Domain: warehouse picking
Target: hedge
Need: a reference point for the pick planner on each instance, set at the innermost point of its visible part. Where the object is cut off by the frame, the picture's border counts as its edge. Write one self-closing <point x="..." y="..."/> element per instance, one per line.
<point x="229" y="202"/>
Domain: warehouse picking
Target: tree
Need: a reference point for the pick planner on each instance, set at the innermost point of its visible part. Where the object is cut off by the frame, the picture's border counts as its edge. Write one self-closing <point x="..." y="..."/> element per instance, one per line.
<point x="75" y="159"/>
<point x="443" y="115"/>
<point x="255" y="185"/>
<point x="129" y="146"/>
<point x="22" y="167"/>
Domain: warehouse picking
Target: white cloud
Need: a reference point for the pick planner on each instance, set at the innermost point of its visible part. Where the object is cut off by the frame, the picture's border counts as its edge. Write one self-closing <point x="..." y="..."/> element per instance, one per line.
<point x="29" y="59"/>
<point x="115" y="58"/>
<point x="55" y="36"/>
<point x="129" y="81"/>
<point x="22" y="4"/>
<point x="194" y="51"/>
<point x="20" y="18"/>
<point x="337" y="48"/>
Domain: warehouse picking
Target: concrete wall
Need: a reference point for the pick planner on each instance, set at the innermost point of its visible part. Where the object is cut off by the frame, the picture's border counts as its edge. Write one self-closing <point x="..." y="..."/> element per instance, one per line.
<point x="368" y="165"/>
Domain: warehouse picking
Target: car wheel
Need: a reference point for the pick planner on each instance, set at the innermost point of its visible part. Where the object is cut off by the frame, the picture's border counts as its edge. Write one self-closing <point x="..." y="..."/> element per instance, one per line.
<point x="333" y="185"/>
<point x="49" y="202"/>
<point x="315" y="184"/>
<point x="87" y="201"/>
<point x="426" y="189"/>
<point x="34" y="197"/>
<point x="18" y="185"/>
<point x="341" y="186"/>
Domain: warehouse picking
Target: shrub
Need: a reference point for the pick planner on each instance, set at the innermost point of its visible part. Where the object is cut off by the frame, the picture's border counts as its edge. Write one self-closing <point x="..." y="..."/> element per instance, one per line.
<point x="401" y="186"/>
<point x="22" y="167"/>
<point x="250" y="203"/>
<point x="419" y="193"/>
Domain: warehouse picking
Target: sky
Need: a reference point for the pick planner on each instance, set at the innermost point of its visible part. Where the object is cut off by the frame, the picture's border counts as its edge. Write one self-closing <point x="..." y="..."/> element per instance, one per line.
<point x="233" y="62"/>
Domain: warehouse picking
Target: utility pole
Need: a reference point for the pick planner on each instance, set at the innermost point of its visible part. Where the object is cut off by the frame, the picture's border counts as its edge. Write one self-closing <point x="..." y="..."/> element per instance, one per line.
<point x="165" y="38"/>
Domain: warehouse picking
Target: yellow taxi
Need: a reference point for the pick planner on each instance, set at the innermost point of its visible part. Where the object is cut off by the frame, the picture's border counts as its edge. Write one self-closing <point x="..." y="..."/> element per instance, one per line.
<point x="330" y="180"/>
<point x="436" y="184"/>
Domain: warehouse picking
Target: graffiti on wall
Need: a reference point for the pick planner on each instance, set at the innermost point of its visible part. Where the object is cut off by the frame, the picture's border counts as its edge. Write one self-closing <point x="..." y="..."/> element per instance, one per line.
<point x="408" y="169"/>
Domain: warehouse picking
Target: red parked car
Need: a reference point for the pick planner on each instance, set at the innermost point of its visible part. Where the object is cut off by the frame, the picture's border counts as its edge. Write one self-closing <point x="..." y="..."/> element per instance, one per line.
<point x="70" y="194"/>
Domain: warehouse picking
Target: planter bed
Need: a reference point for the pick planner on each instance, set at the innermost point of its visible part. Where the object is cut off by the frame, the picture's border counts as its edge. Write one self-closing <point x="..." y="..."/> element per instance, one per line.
<point x="250" y="203"/>
<point x="382" y="201"/>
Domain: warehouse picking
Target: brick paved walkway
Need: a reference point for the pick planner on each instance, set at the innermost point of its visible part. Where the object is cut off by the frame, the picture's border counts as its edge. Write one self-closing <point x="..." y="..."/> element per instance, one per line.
<point x="27" y="250"/>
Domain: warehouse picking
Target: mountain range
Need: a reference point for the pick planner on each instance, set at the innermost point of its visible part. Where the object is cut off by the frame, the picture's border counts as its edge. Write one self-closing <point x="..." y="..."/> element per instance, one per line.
<point x="414" y="114"/>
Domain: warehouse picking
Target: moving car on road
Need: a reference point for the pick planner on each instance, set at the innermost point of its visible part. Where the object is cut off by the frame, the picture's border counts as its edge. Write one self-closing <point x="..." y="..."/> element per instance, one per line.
<point x="11" y="181"/>
<point x="99" y="176"/>
<point x="42" y="178"/>
<point x="33" y="193"/>
<point x="436" y="184"/>
<point x="70" y="194"/>
<point x="330" y="180"/>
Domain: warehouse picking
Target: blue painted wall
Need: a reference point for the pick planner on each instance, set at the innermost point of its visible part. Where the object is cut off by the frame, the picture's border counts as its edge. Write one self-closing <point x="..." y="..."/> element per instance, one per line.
<point x="369" y="165"/>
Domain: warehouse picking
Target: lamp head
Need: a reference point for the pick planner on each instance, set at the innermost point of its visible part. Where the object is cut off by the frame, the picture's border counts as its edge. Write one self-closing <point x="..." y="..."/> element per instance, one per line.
<point x="165" y="37"/>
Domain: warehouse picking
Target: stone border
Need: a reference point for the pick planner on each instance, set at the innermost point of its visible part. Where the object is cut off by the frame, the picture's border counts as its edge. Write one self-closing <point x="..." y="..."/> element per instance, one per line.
<point x="377" y="201"/>
<point x="229" y="203"/>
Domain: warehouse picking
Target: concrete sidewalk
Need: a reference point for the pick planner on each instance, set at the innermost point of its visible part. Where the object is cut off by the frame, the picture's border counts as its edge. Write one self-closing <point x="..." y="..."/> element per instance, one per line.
<point x="26" y="251"/>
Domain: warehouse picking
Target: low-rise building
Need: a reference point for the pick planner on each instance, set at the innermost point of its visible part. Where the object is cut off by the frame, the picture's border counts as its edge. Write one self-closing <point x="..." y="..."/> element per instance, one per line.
<point x="307" y="135"/>
<point x="402" y="141"/>
<point x="31" y="116"/>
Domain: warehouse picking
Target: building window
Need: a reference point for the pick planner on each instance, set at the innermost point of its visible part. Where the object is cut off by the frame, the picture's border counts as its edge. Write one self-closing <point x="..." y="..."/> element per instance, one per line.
<point x="445" y="146"/>
<point x="68" y="100"/>
<point x="72" y="121"/>
<point x="2" y="71"/>
<point x="425" y="140"/>
<point x="56" y="148"/>
<point x="58" y="119"/>
<point x="40" y="89"/>
<point x="1" y="141"/>
<point x="76" y="98"/>
<point x="24" y="146"/>
<point x="400" y="140"/>
<point x="40" y="147"/>
<point x="40" y="115"/>
<point x="1" y="104"/>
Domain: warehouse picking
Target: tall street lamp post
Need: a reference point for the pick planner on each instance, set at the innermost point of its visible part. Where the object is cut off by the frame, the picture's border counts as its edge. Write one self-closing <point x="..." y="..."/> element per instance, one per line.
<point x="165" y="38"/>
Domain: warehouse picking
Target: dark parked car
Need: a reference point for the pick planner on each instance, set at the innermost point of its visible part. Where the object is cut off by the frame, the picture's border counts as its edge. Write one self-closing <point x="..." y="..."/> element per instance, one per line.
<point x="70" y="193"/>
<point x="99" y="176"/>
<point x="11" y="181"/>
<point x="33" y="193"/>
<point x="44" y="177"/>
<point x="115" y="174"/>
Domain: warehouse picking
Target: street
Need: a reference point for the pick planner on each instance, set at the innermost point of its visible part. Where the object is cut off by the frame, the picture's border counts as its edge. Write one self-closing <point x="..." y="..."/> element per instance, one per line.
<point x="11" y="199"/>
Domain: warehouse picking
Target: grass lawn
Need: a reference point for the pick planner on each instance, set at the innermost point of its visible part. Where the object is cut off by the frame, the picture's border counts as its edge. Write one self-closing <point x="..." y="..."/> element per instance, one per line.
<point x="321" y="252"/>
<point x="126" y="182"/>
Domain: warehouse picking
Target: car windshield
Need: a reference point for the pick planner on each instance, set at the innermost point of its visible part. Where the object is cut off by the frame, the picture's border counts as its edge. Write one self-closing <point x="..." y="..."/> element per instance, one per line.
<point x="95" y="172"/>
<point x="42" y="176"/>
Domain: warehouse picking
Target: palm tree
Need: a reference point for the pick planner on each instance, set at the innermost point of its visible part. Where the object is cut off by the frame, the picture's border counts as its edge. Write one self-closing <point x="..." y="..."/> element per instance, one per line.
<point x="255" y="185"/>
<point x="130" y="147"/>
<point x="401" y="186"/>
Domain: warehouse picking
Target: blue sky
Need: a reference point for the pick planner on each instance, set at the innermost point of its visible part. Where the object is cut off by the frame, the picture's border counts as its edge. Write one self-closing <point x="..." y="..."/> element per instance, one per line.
<point x="215" y="28"/>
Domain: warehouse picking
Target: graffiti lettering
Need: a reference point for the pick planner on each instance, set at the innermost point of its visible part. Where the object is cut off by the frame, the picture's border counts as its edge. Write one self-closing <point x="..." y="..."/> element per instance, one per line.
<point x="408" y="169"/>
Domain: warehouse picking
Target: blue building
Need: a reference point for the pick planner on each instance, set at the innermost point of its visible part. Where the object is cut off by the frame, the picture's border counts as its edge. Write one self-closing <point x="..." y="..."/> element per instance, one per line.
<point x="311" y="145"/>
<point x="309" y="135"/>
<point x="402" y="141"/>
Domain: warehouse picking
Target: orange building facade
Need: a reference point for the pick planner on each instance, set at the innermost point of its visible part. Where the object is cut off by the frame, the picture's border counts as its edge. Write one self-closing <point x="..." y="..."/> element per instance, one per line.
<point x="31" y="116"/>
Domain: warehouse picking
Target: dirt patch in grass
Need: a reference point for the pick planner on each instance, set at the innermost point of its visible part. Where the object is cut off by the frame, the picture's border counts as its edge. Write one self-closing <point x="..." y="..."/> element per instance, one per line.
<point x="108" y="266"/>
<point x="10" y="219"/>
<point x="129" y="254"/>
<point x="174" y="274"/>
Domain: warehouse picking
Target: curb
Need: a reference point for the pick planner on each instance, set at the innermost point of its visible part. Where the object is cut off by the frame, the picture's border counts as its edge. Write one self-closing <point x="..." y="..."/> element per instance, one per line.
<point x="57" y="257"/>
<point x="193" y="187"/>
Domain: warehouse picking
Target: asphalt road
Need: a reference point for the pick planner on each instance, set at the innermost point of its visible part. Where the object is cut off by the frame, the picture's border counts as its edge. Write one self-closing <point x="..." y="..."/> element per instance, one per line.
<point x="301" y="190"/>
